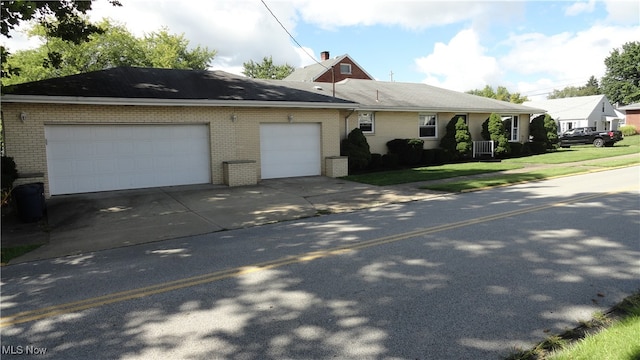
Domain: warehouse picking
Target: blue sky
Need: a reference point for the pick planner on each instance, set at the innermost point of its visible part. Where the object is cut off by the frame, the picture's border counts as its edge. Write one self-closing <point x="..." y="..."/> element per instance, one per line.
<point x="531" y="47"/>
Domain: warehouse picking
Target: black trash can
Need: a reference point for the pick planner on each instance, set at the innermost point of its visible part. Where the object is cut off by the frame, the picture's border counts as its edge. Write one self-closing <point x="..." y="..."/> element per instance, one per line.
<point x="29" y="201"/>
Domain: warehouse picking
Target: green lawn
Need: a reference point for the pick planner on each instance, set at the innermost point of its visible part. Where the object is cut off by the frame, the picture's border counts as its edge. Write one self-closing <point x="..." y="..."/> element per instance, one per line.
<point x="430" y="173"/>
<point x="630" y="145"/>
<point x="613" y="335"/>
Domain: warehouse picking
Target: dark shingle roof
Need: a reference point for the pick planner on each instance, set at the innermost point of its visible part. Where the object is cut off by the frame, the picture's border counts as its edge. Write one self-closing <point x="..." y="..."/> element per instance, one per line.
<point x="151" y="83"/>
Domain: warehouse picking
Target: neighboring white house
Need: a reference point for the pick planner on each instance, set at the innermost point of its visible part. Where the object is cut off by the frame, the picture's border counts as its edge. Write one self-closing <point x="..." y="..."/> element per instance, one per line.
<point x="582" y="111"/>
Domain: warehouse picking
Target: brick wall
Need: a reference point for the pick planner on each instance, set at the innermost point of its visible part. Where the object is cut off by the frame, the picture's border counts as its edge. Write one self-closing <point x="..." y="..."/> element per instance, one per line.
<point x="230" y="140"/>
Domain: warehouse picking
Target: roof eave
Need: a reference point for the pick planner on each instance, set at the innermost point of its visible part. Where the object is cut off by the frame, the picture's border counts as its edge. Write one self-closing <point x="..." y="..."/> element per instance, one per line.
<point x="40" y="99"/>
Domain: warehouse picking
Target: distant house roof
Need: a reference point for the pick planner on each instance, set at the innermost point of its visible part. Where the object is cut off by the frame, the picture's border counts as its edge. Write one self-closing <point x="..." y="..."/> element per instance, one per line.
<point x="312" y="72"/>
<point x="169" y="86"/>
<point x="398" y="96"/>
<point x="634" y="106"/>
<point x="580" y="107"/>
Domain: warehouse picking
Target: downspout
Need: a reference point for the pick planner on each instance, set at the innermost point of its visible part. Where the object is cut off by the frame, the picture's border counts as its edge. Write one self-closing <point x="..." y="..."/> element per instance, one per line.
<point x="346" y="123"/>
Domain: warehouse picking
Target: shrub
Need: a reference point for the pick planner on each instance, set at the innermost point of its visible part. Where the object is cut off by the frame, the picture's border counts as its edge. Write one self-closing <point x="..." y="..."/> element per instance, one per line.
<point x="390" y="161"/>
<point x="498" y="135"/>
<point x="356" y="147"/>
<point x="376" y="161"/>
<point x="551" y="127"/>
<point x="628" y="130"/>
<point x="9" y="172"/>
<point x="428" y="157"/>
<point x="485" y="131"/>
<point x="464" y="145"/>
<point x="516" y="149"/>
<point x="537" y="131"/>
<point x="535" y="148"/>
<point x="409" y="151"/>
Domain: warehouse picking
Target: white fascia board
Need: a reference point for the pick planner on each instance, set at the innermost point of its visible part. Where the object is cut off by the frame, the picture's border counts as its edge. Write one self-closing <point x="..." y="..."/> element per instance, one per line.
<point x="39" y="99"/>
<point x="450" y="110"/>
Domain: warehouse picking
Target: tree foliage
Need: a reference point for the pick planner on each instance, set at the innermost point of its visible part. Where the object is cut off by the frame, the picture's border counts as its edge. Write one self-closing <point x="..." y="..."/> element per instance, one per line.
<point x="114" y="46"/>
<point x="543" y="129"/>
<point x="501" y="93"/>
<point x="592" y="87"/>
<point x="498" y="135"/>
<point x="356" y="147"/>
<point x="464" y="145"/>
<point x="621" y="81"/>
<point x="266" y="69"/>
<point x="62" y="19"/>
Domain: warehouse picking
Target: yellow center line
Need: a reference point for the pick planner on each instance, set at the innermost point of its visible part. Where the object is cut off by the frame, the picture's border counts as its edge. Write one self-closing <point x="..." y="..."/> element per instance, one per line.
<point x="137" y="293"/>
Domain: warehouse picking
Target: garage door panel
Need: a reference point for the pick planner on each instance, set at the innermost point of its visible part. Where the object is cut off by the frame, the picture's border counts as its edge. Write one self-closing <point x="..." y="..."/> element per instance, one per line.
<point x="288" y="150"/>
<point x="88" y="158"/>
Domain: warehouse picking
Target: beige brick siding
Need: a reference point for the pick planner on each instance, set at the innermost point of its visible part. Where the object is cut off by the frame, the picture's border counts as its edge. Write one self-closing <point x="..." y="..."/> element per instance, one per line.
<point x="404" y="125"/>
<point x="230" y="140"/>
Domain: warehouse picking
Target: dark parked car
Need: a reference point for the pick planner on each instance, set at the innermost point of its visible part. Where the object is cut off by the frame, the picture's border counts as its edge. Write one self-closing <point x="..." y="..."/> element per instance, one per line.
<point x="589" y="135"/>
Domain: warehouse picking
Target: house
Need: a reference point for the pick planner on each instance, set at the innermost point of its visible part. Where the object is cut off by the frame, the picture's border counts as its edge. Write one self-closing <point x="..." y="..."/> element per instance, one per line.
<point x="632" y="115"/>
<point x="392" y="110"/>
<point x="126" y="128"/>
<point x="581" y="111"/>
<point x="330" y="70"/>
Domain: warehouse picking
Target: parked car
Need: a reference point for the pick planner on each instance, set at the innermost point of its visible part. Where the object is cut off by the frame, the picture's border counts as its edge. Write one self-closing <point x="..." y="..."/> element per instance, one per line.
<point x="589" y="135"/>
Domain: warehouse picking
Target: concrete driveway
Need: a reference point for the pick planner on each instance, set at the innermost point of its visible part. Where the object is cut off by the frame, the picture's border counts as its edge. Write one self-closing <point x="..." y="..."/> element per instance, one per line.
<point x="77" y="224"/>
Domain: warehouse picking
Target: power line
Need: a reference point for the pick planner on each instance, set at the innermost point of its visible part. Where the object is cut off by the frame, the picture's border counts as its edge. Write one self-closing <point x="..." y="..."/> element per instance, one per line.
<point x="291" y="36"/>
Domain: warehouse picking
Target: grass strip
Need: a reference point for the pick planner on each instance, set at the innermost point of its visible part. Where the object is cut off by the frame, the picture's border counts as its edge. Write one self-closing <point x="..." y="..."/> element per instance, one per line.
<point x="504" y="179"/>
<point x="9" y="253"/>
<point x="613" y="335"/>
<point x="429" y="173"/>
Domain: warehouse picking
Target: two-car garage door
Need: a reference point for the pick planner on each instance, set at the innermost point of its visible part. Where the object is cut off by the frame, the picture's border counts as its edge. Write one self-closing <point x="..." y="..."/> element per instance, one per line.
<point x="88" y="158"/>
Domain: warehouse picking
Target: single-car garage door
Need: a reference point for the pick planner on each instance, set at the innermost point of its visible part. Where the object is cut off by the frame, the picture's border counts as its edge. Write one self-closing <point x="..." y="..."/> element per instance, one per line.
<point x="289" y="150"/>
<point x="88" y="158"/>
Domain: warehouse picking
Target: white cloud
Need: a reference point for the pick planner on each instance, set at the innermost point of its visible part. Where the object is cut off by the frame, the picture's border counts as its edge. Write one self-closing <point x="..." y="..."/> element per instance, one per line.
<point x="580" y="7"/>
<point x="623" y="12"/>
<point x="459" y="65"/>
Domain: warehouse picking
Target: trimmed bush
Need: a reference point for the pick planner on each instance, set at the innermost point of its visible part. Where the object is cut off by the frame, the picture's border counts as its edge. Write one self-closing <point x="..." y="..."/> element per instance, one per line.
<point x="376" y="161"/>
<point x="428" y="157"/>
<point x="543" y="129"/>
<point x="551" y="127"/>
<point x="448" y="141"/>
<point x="498" y="135"/>
<point x="356" y="147"/>
<point x="390" y="161"/>
<point x="464" y="145"/>
<point x="516" y="149"/>
<point x="9" y="172"/>
<point x="409" y="151"/>
<point x="628" y="130"/>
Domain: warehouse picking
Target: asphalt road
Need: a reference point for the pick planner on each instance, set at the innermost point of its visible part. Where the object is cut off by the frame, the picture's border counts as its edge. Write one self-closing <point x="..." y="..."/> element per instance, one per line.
<point x="465" y="276"/>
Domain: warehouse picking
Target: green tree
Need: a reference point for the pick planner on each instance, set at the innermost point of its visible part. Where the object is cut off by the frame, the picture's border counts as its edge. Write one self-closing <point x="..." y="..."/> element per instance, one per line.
<point x="501" y="94"/>
<point x="61" y="19"/>
<point x="544" y="130"/>
<point x="551" y="127"/>
<point x="356" y="147"/>
<point x="621" y="81"/>
<point x="590" y="88"/>
<point x="498" y="135"/>
<point x="448" y="141"/>
<point x="115" y="46"/>
<point x="464" y="145"/>
<point x="266" y="69"/>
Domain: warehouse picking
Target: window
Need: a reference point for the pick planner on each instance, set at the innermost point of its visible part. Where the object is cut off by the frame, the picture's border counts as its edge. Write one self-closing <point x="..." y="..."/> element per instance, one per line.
<point x="512" y="126"/>
<point x="428" y="126"/>
<point x="345" y="68"/>
<point x="365" y="122"/>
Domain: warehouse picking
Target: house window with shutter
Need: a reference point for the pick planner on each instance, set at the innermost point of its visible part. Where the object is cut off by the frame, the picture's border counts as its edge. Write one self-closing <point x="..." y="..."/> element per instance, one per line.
<point x="366" y="122"/>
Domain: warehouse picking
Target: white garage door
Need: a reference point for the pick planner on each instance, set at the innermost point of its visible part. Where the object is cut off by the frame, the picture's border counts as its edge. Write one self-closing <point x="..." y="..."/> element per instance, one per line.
<point x="88" y="158"/>
<point x="289" y="150"/>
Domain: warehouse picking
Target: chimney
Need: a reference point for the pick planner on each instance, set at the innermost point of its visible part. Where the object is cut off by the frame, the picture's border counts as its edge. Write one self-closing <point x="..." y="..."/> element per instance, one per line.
<point x="324" y="55"/>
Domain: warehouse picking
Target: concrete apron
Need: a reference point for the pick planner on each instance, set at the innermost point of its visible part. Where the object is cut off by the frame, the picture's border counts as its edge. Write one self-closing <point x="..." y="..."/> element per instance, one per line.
<point x="89" y="222"/>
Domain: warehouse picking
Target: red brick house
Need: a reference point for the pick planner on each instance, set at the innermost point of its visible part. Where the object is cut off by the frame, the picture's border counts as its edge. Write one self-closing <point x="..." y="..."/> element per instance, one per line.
<point x="330" y="70"/>
<point x="632" y="112"/>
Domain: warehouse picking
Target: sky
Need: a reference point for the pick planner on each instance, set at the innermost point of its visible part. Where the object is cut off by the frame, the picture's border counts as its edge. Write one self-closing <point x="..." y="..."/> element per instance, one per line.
<point x="529" y="47"/>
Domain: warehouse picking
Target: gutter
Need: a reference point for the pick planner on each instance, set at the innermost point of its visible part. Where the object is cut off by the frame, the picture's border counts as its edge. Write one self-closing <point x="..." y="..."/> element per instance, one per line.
<point x="76" y="100"/>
